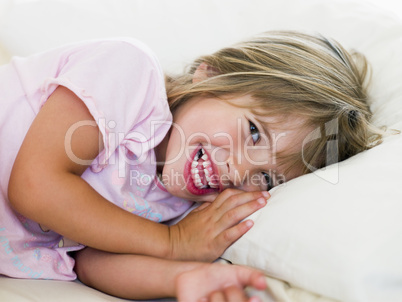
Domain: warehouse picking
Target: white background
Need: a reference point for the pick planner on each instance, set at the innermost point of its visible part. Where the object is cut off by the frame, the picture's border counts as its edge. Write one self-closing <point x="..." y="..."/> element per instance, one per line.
<point x="394" y="5"/>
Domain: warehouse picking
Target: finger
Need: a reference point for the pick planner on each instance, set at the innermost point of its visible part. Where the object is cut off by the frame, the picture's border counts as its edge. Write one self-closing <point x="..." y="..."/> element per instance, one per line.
<point x="217" y="296"/>
<point x="236" y="200"/>
<point x="229" y="236"/>
<point x="235" y="294"/>
<point x="254" y="299"/>
<point x="233" y="216"/>
<point x="258" y="281"/>
<point x="251" y="277"/>
<point x="226" y="194"/>
<point x="229" y="225"/>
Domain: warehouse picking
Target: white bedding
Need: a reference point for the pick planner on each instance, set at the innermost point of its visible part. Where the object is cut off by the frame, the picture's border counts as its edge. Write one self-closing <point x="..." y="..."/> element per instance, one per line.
<point x="49" y="291"/>
<point x="332" y="235"/>
<point x="12" y="290"/>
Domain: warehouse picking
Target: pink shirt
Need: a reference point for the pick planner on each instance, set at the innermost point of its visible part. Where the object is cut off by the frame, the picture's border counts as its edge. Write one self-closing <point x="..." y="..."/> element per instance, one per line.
<point x="122" y="85"/>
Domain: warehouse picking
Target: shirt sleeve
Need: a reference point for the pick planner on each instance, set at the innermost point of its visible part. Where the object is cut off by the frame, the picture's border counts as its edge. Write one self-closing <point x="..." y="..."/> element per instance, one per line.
<point x="122" y="85"/>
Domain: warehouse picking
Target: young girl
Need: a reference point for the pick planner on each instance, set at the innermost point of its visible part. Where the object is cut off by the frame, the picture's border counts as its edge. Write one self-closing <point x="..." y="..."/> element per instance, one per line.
<point x="90" y="141"/>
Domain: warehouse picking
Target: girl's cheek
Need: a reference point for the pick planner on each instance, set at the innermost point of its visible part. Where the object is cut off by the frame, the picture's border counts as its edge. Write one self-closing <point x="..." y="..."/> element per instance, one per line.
<point x="221" y="156"/>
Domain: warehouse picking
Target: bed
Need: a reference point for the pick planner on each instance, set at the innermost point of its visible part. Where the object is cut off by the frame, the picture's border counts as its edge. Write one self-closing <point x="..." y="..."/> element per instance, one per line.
<point x="332" y="235"/>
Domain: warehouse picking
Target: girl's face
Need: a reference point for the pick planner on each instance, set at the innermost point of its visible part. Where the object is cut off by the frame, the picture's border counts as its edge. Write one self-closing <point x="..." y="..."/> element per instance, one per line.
<point x="214" y="145"/>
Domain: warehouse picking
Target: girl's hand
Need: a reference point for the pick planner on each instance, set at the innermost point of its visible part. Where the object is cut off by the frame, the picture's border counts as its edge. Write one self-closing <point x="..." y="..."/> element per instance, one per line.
<point x="209" y="230"/>
<point x="218" y="282"/>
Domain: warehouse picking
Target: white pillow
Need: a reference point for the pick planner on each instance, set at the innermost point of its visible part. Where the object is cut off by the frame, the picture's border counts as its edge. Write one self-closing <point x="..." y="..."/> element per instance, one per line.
<point x="341" y="240"/>
<point x="338" y="232"/>
<point x="335" y="232"/>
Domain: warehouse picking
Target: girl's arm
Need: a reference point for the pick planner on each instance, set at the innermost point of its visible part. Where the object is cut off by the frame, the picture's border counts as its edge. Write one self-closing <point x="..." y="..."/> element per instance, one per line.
<point x="143" y="277"/>
<point x="46" y="186"/>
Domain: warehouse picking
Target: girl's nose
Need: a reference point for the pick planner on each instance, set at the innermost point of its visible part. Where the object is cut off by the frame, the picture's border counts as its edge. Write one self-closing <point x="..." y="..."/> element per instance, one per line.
<point x="237" y="171"/>
<point x="244" y="174"/>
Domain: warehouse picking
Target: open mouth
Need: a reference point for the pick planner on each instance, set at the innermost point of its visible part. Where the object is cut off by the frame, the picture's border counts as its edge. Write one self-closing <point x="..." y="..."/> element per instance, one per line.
<point x="202" y="172"/>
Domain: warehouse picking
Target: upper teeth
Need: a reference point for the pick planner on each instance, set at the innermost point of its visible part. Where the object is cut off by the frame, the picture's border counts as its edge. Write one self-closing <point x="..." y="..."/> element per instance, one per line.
<point x="206" y="168"/>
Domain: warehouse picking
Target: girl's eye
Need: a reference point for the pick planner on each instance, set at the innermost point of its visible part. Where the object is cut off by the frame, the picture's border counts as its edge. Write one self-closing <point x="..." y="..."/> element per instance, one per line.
<point x="267" y="181"/>
<point x="255" y="133"/>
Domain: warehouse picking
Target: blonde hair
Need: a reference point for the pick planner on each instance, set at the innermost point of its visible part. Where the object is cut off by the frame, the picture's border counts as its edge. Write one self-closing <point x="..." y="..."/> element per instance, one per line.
<point x="287" y="72"/>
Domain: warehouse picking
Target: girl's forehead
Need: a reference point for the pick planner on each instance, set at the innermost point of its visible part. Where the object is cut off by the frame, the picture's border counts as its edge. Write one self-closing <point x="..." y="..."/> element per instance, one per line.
<point x="267" y="115"/>
<point x="282" y="122"/>
<point x="243" y="100"/>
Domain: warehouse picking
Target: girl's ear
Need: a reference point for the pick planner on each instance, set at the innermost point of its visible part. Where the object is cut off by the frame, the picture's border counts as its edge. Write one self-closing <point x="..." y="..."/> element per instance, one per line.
<point x="204" y="72"/>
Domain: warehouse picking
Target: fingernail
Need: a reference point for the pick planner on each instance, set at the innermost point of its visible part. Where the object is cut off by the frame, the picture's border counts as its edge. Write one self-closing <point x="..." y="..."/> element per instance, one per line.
<point x="266" y="194"/>
<point x="249" y="223"/>
<point x="262" y="201"/>
<point x="262" y="280"/>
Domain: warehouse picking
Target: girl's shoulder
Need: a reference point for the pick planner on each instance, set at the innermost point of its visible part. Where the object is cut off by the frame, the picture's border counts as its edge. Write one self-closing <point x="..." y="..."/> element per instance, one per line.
<point x="125" y="48"/>
<point x="104" y="52"/>
<point x="122" y="45"/>
<point x="123" y="51"/>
